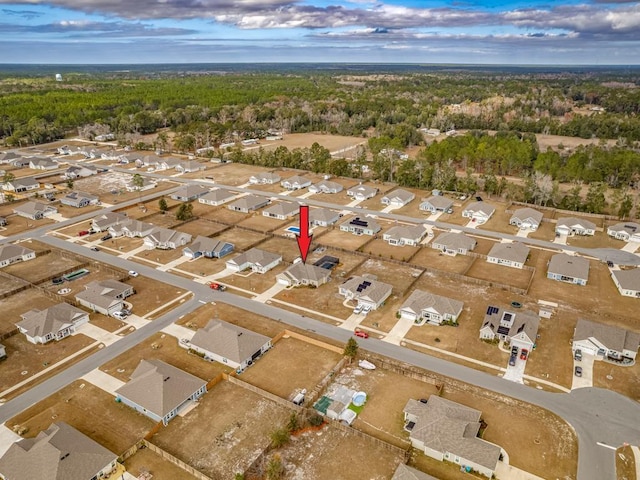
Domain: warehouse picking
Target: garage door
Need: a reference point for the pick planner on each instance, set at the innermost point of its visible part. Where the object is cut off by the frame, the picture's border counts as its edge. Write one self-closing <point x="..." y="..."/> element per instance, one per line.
<point x="586" y="349"/>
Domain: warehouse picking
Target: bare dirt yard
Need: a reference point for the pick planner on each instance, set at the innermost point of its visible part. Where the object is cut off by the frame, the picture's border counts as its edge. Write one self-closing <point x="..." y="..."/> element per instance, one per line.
<point x="204" y="266"/>
<point x="625" y="380"/>
<point x="148" y="461"/>
<point x="254" y="282"/>
<point x="349" y="241"/>
<point x="19" y="303"/>
<point x="116" y="428"/>
<point x="234" y="174"/>
<point x="399" y="276"/>
<point x="501" y="274"/>
<point x="333" y="143"/>
<point x="204" y="227"/>
<point x="297" y="365"/>
<point x="68" y="211"/>
<point x="262" y="223"/>
<point x="10" y="284"/>
<point x="225" y="433"/>
<point x="41" y="267"/>
<point x="242" y="239"/>
<point x="116" y="182"/>
<point x="428" y="257"/>
<point x="151" y="294"/>
<point x="380" y="248"/>
<point x="287" y="247"/>
<point x="223" y="215"/>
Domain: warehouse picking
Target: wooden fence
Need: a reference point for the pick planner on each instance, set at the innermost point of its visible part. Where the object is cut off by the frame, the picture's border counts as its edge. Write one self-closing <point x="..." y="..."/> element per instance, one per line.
<point x="274" y="398"/>
<point x="176" y="461"/>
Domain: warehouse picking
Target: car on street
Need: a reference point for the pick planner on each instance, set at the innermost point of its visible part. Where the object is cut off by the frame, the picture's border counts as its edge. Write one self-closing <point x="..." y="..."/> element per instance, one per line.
<point x="577" y="356"/>
<point x="578" y="371"/>
<point x="361" y="334"/>
<point x="216" y="286"/>
<point x="523" y="354"/>
<point x="106" y="237"/>
<point x="133" y="273"/>
<point x="94" y="249"/>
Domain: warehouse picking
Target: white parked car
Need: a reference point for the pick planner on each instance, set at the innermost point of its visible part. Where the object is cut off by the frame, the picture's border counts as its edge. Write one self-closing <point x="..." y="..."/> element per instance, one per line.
<point x="119" y="315"/>
<point x="357" y="310"/>
<point x="133" y="273"/>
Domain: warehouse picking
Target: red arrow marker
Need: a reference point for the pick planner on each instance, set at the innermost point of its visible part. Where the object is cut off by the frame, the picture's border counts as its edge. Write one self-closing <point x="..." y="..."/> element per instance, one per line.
<point x="303" y="238"/>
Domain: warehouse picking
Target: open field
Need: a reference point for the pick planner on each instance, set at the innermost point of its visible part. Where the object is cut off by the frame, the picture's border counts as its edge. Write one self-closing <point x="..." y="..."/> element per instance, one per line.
<point x="161" y="469"/>
<point x="505" y="275"/>
<point x="380" y="248"/>
<point x="254" y="282"/>
<point x="41" y="267"/>
<point x="204" y="266"/>
<point x="499" y="221"/>
<point x="306" y="140"/>
<point x="159" y="255"/>
<point x="17" y="224"/>
<point x="262" y="223"/>
<point x="235" y="174"/>
<point x="599" y="240"/>
<point x="323" y="299"/>
<point x="120" y="244"/>
<point x="116" y="427"/>
<point x="203" y="227"/>
<point x="167" y="350"/>
<point x="428" y="257"/>
<point x="105" y="183"/>
<point x="68" y="211"/>
<point x="150" y="294"/>
<point x="344" y="240"/>
<point x="21" y="302"/>
<point x="298" y="365"/>
<point x="223" y="215"/>
<point x="225" y="432"/>
<point x="484" y="245"/>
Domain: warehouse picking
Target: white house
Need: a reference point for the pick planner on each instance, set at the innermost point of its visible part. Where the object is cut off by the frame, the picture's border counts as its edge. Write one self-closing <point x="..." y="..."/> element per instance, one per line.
<point x="453" y="243"/>
<point x="405" y="235"/>
<point x="478" y="212"/>
<point x="249" y="203"/>
<point x="264" y="178"/>
<point x="627" y="231"/>
<point x="282" y="210"/>
<point x="509" y="254"/>
<point x="367" y="292"/>
<point x="575" y="226"/>
<point x="304" y="274"/>
<point x="323" y="217"/>
<point x="526" y="218"/>
<point x="362" y="192"/>
<point x="42" y="163"/>
<point x="79" y="199"/>
<point x="53" y="323"/>
<point x="627" y="282"/>
<point x="216" y="197"/>
<point x="35" y="210"/>
<point x="21" y="185"/>
<point x="360" y="226"/>
<point x="519" y="328"/>
<point x="189" y="192"/>
<point x="326" y="186"/>
<point x="568" y="268"/>
<point x="104" y="296"/>
<point x="10" y="254"/>
<point x="605" y="341"/>
<point x="437" y="203"/>
<point x="257" y="260"/>
<point x="166" y="239"/>
<point x="424" y="307"/>
<point x="398" y="198"/>
<point x="296" y="182"/>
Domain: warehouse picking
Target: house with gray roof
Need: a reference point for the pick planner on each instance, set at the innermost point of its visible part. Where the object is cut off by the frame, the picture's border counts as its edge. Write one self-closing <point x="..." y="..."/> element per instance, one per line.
<point x="398" y="198"/>
<point x="189" y="192"/>
<point x="166" y="239"/>
<point x="453" y="243"/>
<point x="53" y="323"/>
<point x="216" y="197"/>
<point x="479" y="212"/>
<point x="282" y="210"/>
<point x="102" y="222"/>
<point x="131" y="228"/>
<point x="362" y="192"/>
<point x="35" y="210"/>
<point x="526" y="218"/>
<point x="8" y="157"/>
<point x="405" y="472"/>
<point x="568" y="268"/>
<point x="424" y="307"/>
<point x="360" y="226"/>
<point x="189" y="166"/>
<point x="436" y="203"/>
<point x="326" y="186"/>
<point x="159" y="390"/>
<point x="21" y="185"/>
<point x="625" y="231"/>
<point x="58" y="453"/>
<point x="229" y="344"/>
<point x="168" y="163"/>
<point x="401" y="235"/>
<point x="366" y="291"/>
<point x="323" y="217"/>
<point x="519" y="328"/>
<point x="42" y="163"/>
<point x="447" y="430"/>
<point x="79" y="171"/>
<point x="304" y="274"/>
<point x="104" y="296"/>
<point x="266" y="178"/>
<point x="257" y="260"/>
<point x="627" y="282"/>
<point x="10" y="253"/>
<point x="605" y="341"/>
<point x="79" y="199"/>
<point x="509" y="254"/>
<point x="207" y="247"/>
<point x="296" y="182"/>
<point x="249" y="203"/>
<point x="575" y="226"/>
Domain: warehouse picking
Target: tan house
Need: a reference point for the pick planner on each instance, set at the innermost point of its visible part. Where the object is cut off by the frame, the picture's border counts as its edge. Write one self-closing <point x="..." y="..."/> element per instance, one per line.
<point x="301" y="274"/>
<point x="105" y="296"/>
<point x="509" y="254"/>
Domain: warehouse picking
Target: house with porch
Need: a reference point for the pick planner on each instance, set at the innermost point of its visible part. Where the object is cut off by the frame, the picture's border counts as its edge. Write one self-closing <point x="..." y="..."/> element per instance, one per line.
<point x="568" y="268"/>
<point x="282" y="210"/>
<point x="35" y="210"/>
<point x="526" y="218"/>
<point x="605" y="341"/>
<point x="104" y="296"/>
<point x="436" y="204"/>
<point x="79" y="171"/>
<point x="21" y="185"/>
<point x="259" y="261"/>
<point x="627" y="282"/>
<point x="509" y="254"/>
<point x="304" y="274"/>
<point x="266" y="178"/>
<point x="362" y="192"/>
<point x="424" y="307"/>
<point x="10" y="254"/>
<point x="398" y="198"/>
<point x="102" y="222"/>
<point x="249" y="203"/>
<point x="519" y="328"/>
<point x="79" y="199"/>
<point x="131" y="228"/>
<point x="447" y="430"/>
<point x="189" y="166"/>
<point x="160" y="390"/>
<point x="479" y="212"/>
<point x="326" y="186"/>
<point x="42" y="163"/>
<point x="360" y="226"/>
<point x="366" y="291"/>
<point x="575" y="226"/>
<point x="296" y="182"/>
<point x="401" y="235"/>
<point x="166" y="239"/>
<point x="53" y="323"/>
<point x="323" y="217"/>
<point x="625" y="231"/>
<point x="229" y="344"/>
<point x="207" y="247"/>
<point x="189" y="192"/>
<point x="216" y="197"/>
<point x="453" y="243"/>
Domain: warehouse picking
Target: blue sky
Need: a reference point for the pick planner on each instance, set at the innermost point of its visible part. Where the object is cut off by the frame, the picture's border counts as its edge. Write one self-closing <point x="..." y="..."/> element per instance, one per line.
<point x="597" y="32"/>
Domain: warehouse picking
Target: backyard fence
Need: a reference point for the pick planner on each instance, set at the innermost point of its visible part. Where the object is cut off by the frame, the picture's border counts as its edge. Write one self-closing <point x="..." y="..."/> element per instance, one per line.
<point x="176" y="461"/>
<point x="264" y="393"/>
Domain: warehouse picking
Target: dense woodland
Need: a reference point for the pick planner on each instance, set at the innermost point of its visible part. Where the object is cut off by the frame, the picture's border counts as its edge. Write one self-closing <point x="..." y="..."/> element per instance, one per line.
<point x="389" y="109"/>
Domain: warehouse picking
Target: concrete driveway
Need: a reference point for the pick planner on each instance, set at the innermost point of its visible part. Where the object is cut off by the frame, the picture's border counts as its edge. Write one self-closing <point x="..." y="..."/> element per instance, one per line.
<point x="586" y="380"/>
<point x="509" y="472"/>
<point x="515" y="373"/>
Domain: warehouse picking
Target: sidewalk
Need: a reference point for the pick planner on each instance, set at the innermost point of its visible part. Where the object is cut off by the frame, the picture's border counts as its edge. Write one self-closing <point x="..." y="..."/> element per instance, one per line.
<point x="353" y="321"/>
<point x="98" y="334"/>
<point x="174" y="263"/>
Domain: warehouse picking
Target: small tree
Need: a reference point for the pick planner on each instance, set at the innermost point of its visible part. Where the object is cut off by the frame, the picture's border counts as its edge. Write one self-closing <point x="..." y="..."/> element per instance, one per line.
<point x="138" y="183"/>
<point x="275" y="468"/>
<point x="279" y="437"/>
<point x="162" y="204"/>
<point x="70" y="184"/>
<point x="293" y="423"/>
<point x="351" y="349"/>
<point x="185" y="212"/>
<point x="8" y="177"/>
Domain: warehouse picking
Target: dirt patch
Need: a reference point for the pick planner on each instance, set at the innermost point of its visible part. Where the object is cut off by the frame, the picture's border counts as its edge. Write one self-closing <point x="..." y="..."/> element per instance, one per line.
<point x="254" y="282"/>
<point x="380" y="248"/>
<point x="348" y="241"/>
<point x="151" y="294"/>
<point x="22" y="302"/>
<point x="118" y="245"/>
<point x="109" y="324"/>
<point x="624" y="380"/>
<point x="203" y="227"/>
<point x="112" y="187"/>
<point x="150" y="462"/>
<point x="68" y="211"/>
<point x="10" y="284"/>
<point x="504" y="275"/>
<point x="160" y="256"/>
<point x="625" y="464"/>
<point x="235" y="173"/>
<point x="287" y="247"/>
<point x="204" y="266"/>
<point x="224" y="215"/>
<point x="41" y="267"/>
<point x="262" y="223"/>
<point x="241" y="239"/>
<point x="116" y="428"/>
<point x="428" y="257"/>
<point x="400" y="276"/>
<point x="305" y="140"/>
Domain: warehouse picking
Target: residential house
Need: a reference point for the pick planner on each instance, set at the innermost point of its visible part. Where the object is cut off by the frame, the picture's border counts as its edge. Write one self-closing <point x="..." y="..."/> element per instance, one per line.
<point x="21" y="185"/>
<point x="79" y="171"/>
<point x="509" y="254"/>
<point x="296" y="182"/>
<point x="20" y="162"/>
<point x="323" y="217"/>
<point x="405" y="235"/>
<point x="326" y="186"/>
<point x="53" y="323"/>
<point x="149" y="161"/>
<point x="526" y="218"/>
<point x="627" y="282"/>
<point x="453" y="243"/>
<point x="229" y="344"/>
<point x="447" y="430"/>
<point x="58" y="453"/>
<point x="42" y="163"/>
<point x="257" y="260"/>
<point x="398" y="198"/>
<point x="35" y="210"/>
<point x="437" y="203"/>
<point x="249" y="203"/>
<point x="304" y="274"/>
<point x="264" y="178"/>
<point x="282" y="210"/>
<point x="575" y="226"/>
<point x="362" y="192"/>
<point x="568" y="268"/>
<point x="131" y="228"/>
<point x="159" y="390"/>
<point x="79" y="199"/>
<point x="479" y="212"/>
<point x="605" y="341"/>
<point x="166" y="239"/>
<point x="519" y="328"/>
<point x="189" y="166"/>
<point x="208" y="247"/>
<point x="216" y="197"/>
<point x="104" y="296"/>
<point x="360" y="226"/>
<point x="102" y="222"/>
<point x="366" y="291"/>
<point x="10" y="253"/>
<point x="168" y="163"/>
<point x="8" y="157"/>
<point x="147" y="184"/>
<point x="3" y="354"/>
<point x="424" y="307"/>
<point x="405" y="472"/>
<point x="626" y="231"/>
<point x="189" y="192"/>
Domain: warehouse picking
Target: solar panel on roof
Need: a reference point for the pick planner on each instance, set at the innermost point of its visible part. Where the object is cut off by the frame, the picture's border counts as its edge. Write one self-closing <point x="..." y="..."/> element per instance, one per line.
<point x="503" y="330"/>
<point x="366" y="284"/>
<point x="489" y="310"/>
<point x="507" y="317"/>
<point x="359" y="289"/>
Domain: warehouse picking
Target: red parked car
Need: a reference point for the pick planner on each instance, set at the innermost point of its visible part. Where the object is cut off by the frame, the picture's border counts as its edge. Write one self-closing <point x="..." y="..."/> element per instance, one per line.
<point x="82" y="233"/>
<point x="361" y="334"/>
<point x="523" y="354"/>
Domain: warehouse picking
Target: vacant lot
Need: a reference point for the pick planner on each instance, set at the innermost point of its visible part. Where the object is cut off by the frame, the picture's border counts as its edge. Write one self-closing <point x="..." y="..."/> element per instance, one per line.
<point x="119" y="245"/>
<point x="262" y="223"/>
<point x="399" y="276"/>
<point x="151" y="294"/>
<point x="116" y="427"/>
<point x="116" y="182"/>
<point x="241" y="239"/>
<point x="16" y="305"/>
<point x="546" y="231"/>
<point x="226" y="431"/>
<point x="599" y="240"/>
<point x="428" y="257"/>
<point x="499" y="221"/>
<point x="206" y="228"/>
<point x="305" y="140"/>
<point x="345" y="240"/>
<point x="625" y="380"/>
<point x="287" y="247"/>
<point x="159" y="255"/>
<point x="296" y="364"/>
<point x="161" y="469"/>
<point x="224" y="215"/>
<point x="380" y="248"/>
<point x="502" y="274"/>
<point x="235" y="173"/>
<point x="41" y="267"/>
<point x="10" y="284"/>
<point x="68" y="211"/>
<point x="255" y="282"/>
<point x="204" y="266"/>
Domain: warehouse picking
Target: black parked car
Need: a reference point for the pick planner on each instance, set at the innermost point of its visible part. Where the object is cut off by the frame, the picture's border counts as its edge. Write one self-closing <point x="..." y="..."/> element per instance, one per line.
<point x="106" y="237"/>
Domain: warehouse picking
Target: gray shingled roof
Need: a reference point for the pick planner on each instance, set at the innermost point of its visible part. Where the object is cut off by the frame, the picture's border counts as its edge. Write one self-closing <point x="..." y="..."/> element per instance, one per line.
<point x="515" y="252"/>
<point x="629" y="227"/>
<point x="103" y="293"/>
<point x="400" y="194"/>
<point x="323" y="215"/>
<point x="59" y="453"/>
<point x="420" y="300"/>
<point x="375" y="291"/>
<point x="628" y="279"/>
<point x="571" y="222"/>
<point x="39" y="323"/>
<point x="299" y="179"/>
<point x="218" y="195"/>
<point x="301" y="271"/>
<point x="405" y="472"/>
<point x="161" y="235"/>
<point x="189" y="191"/>
<point x="206" y="244"/>
<point x="327" y="185"/>
<point x="256" y="256"/>
<point x="249" y="202"/>
<point x="159" y="387"/>
<point x="9" y="251"/>
<point x="522" y="321"/>
<point x="483" y="207"/>
<point x="283" y="208"/>
<point x="569" y="266"/>
<point x="31" y="208"/>
<point x="455" y="241"/>
<point x="365" y="190"/>
<point x="413" y="232"/>
<point x="229" y="341"/>
<point x="614" y="338"/>
<point x="371" y="223"/>
<point x="438" y="201"/>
